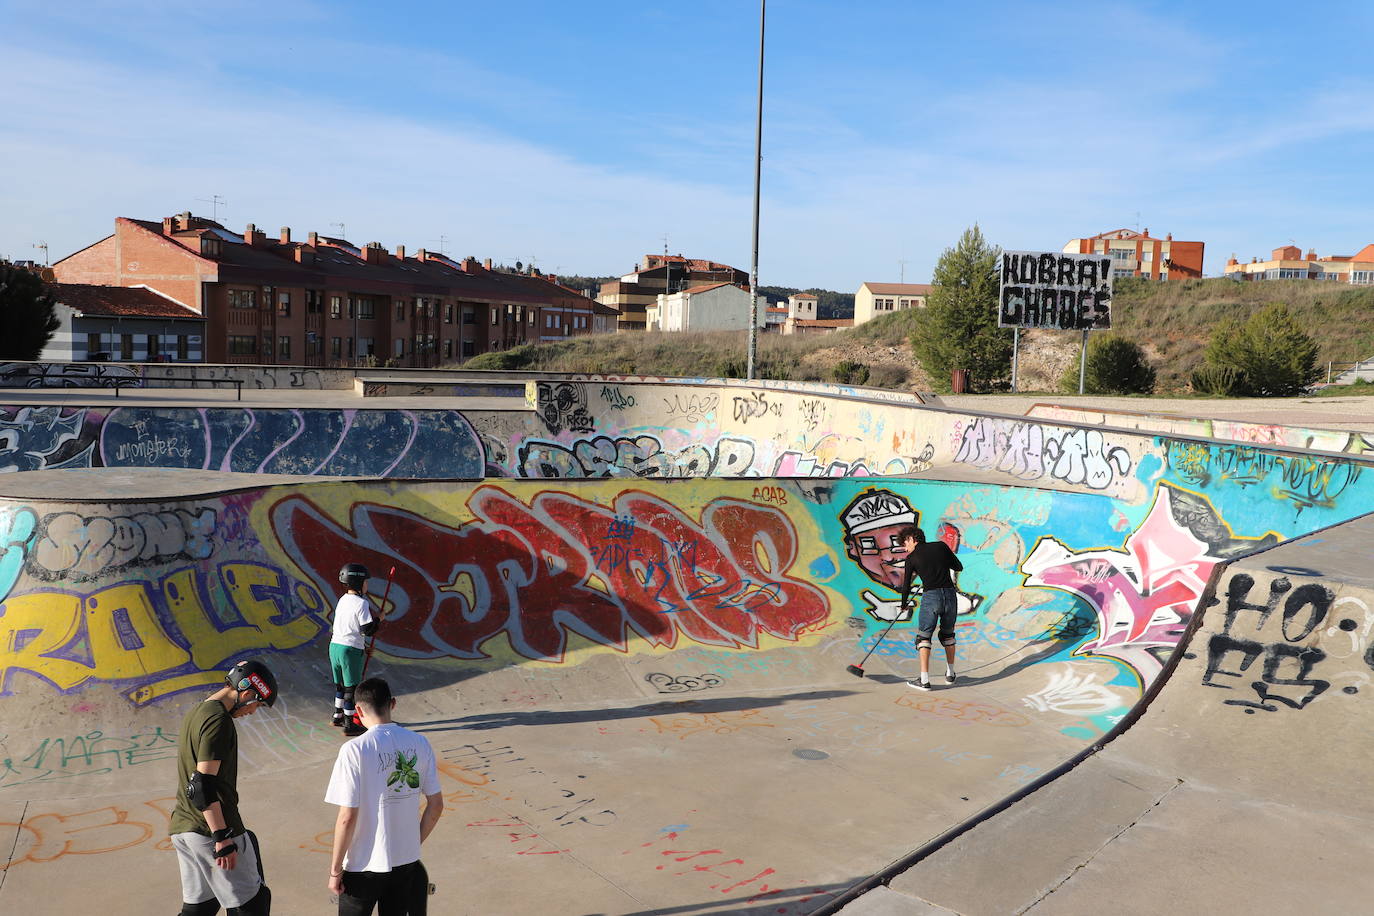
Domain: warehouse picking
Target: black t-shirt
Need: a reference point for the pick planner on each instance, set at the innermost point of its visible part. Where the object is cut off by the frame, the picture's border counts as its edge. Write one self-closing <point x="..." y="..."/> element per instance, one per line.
<point x="932" y="561"/>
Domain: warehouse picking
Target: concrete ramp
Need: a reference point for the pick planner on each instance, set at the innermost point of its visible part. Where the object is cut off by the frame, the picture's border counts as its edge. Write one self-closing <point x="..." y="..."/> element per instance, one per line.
<point x="1238" y="790"/>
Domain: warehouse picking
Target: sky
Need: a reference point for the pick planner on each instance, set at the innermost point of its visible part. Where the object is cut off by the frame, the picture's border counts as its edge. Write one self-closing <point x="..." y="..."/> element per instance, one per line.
<point x="577" y="136"/>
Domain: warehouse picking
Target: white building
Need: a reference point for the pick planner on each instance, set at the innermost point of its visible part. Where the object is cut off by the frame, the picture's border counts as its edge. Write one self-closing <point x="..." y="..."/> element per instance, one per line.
<point x="711" y="307"/>
<point x="874" y="299"/>
<point x="121" y="323"/>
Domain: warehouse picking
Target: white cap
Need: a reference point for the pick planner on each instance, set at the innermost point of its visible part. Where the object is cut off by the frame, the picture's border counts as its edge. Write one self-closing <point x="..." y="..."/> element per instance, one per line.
<point x="877" y="509"/>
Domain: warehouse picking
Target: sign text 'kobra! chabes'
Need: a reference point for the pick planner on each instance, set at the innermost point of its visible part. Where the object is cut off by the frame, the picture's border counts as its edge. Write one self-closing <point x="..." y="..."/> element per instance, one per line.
<point x="1045" y="289"/>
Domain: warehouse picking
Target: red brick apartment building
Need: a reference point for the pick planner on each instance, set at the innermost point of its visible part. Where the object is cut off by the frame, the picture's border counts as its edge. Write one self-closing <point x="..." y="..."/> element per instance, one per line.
<point x="325" y="301"/>
<point x="1138" y="254"/>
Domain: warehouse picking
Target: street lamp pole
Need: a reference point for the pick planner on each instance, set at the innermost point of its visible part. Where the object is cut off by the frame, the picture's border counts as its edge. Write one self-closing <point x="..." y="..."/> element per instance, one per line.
<point x="758" y="168"/>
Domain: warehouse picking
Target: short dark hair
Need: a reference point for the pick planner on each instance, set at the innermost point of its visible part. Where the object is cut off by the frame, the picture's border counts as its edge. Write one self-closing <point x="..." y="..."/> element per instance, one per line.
<point x="911" y="531"/>
<point x="376" y="693"/>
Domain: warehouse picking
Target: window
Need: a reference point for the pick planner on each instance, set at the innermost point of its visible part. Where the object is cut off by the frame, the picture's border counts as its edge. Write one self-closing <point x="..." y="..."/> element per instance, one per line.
<point x="469" y="348"/>
<point x="365" y="346"/>
<point x="448" y="349"/>
<point x="448" y="313"/>
<point x="283" y="303"/>
<point x="520" y="314"/>
<point x="154" y="347"/>
<point x="351" y="312"/>
<point x="400" y="310"/>
<point x="532" y="317"/>
<point x="366" y="308"/>
<point x="284" y="347"/>
<point x="126" y="346"/>
<point x="400" y="346"/>
<point x="1362" y="277"/>
<point x="336" y="347"/>
<point x="92" y="345"/>
<point x="314" y="302"/>
<point x="430" y="309"/>
<point x="419" y="307"/>
<point x="350" y="347"/>
<point x="183" y="347"/>
<point x="495" y="315"/>
<point x="243" y="299"/>
<point x="468" y="316"/>
<point x="266" y="345"/>
<point x="335" y="307"/>
<point x="242" y="345"/>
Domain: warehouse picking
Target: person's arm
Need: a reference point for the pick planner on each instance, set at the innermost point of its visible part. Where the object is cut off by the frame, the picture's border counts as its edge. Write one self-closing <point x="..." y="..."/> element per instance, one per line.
<point x="344" y="826"/>
<point x="908" y="576"/>
<point x="434" y="806"/>
<point x="214" y="819"/>
<point x="954" y="563"/>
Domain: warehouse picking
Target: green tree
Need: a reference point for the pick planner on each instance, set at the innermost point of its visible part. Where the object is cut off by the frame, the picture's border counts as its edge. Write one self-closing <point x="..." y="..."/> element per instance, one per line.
<point x="1115" y="365"/>
<point x="1270" y="354"/>
<point x="958" y="327"/>
<point x="27" y="315"/>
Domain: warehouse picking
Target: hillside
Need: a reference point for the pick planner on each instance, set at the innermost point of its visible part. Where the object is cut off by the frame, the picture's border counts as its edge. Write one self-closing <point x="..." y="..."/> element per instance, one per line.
<point x="1172" y="321"/>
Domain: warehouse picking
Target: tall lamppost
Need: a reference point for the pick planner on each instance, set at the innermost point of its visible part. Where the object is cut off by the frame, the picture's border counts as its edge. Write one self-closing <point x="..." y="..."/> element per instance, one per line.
<point x="758" y="163"/>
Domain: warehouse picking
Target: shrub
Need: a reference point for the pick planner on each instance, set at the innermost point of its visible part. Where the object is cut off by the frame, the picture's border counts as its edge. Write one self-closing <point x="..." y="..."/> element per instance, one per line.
<point x="1115" y="365"/>
<point x="886" y="375"/>
<point x="849" y="372"/>
<point x="1217" y="381"/>
<point x="1271" y="355"/>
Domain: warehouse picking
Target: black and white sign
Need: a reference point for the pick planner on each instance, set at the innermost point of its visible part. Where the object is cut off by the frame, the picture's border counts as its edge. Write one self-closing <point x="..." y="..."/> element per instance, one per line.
<point x="1050" y="289"/>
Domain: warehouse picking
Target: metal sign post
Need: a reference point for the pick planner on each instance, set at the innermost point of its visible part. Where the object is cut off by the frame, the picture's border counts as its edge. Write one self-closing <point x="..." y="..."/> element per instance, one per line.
<point x="1083" y="362"/>
<point x="1015" y="348"/>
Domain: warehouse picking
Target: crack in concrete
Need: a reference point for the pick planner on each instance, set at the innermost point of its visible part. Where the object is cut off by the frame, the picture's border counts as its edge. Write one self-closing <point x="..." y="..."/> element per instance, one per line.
<point x="1088" y="861"/>
<point x="15" y="846"/>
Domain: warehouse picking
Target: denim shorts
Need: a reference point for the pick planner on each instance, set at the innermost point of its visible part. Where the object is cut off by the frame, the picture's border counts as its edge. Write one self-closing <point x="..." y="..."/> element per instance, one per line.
<point x="938" y="610"/>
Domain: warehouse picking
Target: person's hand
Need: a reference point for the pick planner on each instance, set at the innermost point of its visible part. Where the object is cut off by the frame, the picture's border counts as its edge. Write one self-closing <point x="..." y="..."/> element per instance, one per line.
<point x="336" y="884"/>
<point x="226" y="859"/>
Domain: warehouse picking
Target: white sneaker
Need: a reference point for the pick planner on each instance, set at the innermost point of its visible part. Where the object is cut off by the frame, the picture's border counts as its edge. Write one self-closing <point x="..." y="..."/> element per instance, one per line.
<point x="918" y="685"/>
<point x="950" y="677"/>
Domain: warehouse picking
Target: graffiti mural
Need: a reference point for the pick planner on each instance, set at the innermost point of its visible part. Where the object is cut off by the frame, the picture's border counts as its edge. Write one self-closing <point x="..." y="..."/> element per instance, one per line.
<point x="542" y="570"/>
<point x="346" y="443"/>
<point x="641" y="456"/>
<point x="1030" y="451"/>
<point x="563" y="406"/>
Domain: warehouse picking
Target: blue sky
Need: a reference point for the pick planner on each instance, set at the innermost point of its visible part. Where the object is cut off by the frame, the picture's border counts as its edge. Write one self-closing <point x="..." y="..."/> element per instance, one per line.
<point x="580" y="134"/>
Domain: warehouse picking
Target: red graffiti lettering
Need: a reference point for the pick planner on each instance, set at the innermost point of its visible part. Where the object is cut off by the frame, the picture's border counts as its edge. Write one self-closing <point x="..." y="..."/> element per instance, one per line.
<point x="561" y="565"/>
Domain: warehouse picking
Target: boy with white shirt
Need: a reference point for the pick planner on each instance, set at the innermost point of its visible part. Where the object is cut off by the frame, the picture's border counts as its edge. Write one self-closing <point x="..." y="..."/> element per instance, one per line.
<point x="353" y="625"/>
<point x="377" y="783"/>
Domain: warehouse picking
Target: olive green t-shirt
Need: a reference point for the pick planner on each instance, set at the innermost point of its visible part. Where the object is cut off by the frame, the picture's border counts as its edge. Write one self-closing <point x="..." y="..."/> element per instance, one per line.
<point x="207" y="733"/>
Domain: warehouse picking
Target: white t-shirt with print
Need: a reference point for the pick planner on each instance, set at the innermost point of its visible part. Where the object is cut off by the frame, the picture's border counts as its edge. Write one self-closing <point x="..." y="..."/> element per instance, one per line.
<point x="385" y="774"/>
<point x="350" y="614"/>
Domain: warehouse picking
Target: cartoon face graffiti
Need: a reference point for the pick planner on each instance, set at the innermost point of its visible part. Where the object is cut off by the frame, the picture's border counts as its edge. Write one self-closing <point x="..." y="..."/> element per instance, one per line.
<point x="871" y="523"/>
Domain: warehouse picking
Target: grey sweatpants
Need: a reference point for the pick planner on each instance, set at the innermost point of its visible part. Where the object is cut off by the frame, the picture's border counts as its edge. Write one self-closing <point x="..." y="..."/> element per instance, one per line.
<point x="202" y="880"/>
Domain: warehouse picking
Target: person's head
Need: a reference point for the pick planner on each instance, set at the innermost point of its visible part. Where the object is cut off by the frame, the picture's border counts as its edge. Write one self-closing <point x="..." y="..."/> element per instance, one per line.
<point x="251" y="684"/>
<point x="872" y="524"/>
<point x="354" y="577"/>
<point x="910" y="536"/>
<point x="374" y="700"/>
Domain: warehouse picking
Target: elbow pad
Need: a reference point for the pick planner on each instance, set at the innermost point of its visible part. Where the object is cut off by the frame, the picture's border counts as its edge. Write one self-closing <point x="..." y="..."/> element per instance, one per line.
<point x="202" y="791"/>
<point x="368" y="628"/>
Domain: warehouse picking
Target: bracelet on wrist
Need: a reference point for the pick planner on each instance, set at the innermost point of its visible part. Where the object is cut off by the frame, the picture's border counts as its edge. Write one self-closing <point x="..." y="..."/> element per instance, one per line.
<point x="334" y="874"/>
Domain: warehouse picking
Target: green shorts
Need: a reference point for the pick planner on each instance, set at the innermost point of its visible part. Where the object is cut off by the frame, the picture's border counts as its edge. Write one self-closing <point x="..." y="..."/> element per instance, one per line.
<point x="345" y="664"/>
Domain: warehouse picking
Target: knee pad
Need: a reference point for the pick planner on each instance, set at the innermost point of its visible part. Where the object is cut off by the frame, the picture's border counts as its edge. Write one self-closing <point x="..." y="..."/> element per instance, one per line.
<point x="260" y="905"/>
<point x="923" y="642"/>
<point x="205" y="908"/>
<point x="348" y="697"/>
<point x="947" y="640"/>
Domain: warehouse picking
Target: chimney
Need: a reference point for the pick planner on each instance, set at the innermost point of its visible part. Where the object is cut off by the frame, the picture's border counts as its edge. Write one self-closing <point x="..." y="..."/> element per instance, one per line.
<point x="286" y="235"/>
<point x="1311" y="254"/>
<point x="1147" y="232"/>
<point x="469" y="265"/>
<point x="1168" y="237"/>
<point x="169" y="225"/>
<point x="313" y="240"/>
<point x="184" y="220"/>
<point x="400" y="252"/>
<point x="304" y="256"/>
<point x="253" y="236"/>
<point x="486" y="263"/>
<point x="421" y="254"/>
<point x="373" y="253"/>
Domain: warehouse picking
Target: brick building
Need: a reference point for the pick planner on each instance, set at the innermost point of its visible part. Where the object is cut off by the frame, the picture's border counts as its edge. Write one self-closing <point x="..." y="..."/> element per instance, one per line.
<point x="661" y="274"/>
<point x="1289" y="263"/>
<point x="1138" y="254"/>
<point x="325" y="301"/>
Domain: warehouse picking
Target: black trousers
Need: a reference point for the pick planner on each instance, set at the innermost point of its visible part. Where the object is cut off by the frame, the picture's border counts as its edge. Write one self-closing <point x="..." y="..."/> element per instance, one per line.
<point x="403" y="891"/>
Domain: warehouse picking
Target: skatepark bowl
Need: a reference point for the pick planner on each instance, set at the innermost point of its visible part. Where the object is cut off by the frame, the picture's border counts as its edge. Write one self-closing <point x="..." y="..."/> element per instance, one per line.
<point x="622" y="611"/>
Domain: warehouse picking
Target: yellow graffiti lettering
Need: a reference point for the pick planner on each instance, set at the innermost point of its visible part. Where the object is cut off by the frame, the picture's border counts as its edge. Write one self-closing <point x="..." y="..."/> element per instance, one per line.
<point x="248" y="586"/>
<point x="126" y="639"/>
<point x="209" y="644"/>
<point x="32" y="627"/>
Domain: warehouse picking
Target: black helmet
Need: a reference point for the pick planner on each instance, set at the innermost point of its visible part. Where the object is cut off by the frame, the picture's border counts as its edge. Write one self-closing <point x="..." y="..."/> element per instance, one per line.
<point x="251" y="674"/>
<point x="353" y="575"/>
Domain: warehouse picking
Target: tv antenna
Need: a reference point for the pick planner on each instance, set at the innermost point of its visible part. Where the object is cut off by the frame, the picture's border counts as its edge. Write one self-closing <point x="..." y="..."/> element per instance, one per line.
<point x="215" y="202"/>
<point x="443" y="245"/>
<point x="343" y="233"/>
<point x="43" y="246"/>
<point x="901" y="262"/>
